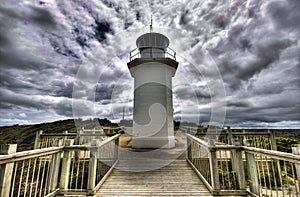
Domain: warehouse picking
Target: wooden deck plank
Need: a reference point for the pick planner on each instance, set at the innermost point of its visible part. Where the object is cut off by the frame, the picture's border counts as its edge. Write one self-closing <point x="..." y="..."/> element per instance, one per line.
<point x="176" y="179"/>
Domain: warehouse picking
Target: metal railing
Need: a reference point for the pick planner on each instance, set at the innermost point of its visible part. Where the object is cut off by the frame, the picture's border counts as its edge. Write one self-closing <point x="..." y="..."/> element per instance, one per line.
<point x="70" y="169"/>
<point x="241" y="169"/>
<point x="168" y="53"/>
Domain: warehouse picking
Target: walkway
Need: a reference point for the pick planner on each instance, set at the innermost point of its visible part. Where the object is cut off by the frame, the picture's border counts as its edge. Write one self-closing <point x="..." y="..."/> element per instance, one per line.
<point x="162" y="172"/>
<point x="176" y="179"/>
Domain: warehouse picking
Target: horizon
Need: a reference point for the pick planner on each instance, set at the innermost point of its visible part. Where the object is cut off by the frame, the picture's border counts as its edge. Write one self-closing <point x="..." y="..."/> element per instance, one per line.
<point x="116" y="122"/>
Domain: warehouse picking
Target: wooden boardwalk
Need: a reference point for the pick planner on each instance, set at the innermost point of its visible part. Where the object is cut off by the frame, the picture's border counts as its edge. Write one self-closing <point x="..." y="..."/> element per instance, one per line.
<point x="176" y="179"/>
<point x="163" y="172"/>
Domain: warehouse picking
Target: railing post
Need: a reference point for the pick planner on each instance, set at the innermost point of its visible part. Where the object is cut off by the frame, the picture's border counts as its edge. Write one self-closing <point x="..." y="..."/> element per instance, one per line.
<point x="37" y="142"/>
<point x="189" y="148"/>
<point x="273" y="140"/>
<point x="239" y="165"/>
<point x="65" y="138"/>
<point x="230" y="137"/>
<point x="54" y="168"/>
<point x="92" y="169"/>
<point x="78" y="139"/>
<point x="215" y="181"/>
<point x="6" y="170"/>
<point x="252" y="169"/>
<point x="189" y="145"/>
<point x="274" y="147"/>
<point x="116" y="153"/>
<point x="296" y="151"/>
<point x="66" y="166"/>
<point x="214" y="170"/>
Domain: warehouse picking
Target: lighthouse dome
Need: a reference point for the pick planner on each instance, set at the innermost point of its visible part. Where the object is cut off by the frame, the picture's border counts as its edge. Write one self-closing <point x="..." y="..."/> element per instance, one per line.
<point x="152" y="40"/>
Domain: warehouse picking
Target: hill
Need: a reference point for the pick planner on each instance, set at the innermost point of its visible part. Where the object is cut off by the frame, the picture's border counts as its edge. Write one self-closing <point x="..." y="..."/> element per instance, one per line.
<point x="24" y="135"/>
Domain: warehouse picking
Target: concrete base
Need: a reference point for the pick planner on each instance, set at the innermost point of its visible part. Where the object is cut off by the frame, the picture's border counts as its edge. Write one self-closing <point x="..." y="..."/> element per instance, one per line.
<point x="153" y="142"/>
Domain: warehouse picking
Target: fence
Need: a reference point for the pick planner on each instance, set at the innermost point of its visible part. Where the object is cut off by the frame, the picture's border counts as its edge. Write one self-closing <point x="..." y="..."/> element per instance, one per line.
<point x="241" y="169"/>
<point x="264" y="139"/>
<point x="83" y="136"/>
<point x="70" y="169"/>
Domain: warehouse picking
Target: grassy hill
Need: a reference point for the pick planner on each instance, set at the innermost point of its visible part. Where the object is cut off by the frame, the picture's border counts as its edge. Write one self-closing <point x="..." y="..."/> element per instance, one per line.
<point x="24" y="135"/>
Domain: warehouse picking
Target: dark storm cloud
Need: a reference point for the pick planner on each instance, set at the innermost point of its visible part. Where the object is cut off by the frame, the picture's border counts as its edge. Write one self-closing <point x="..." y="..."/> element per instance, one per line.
<point x="239" y="104"/>
<point x="187" y="92"/>
<point x="11" y="53"/>
<point x="265" y="89"/>
<point x="268" y="115"/>
<point x="59" y="45"/>
<point x="285" y="14"/>
<point x="62" y="88"/>
<point x="30" y="14"/>
<point x="4" y="38"/>
<point x="104" y="91"/>
<point x="235" y="70"/>
<point x="64" y="108"/>
<point x="15" y="99"/>
<point x="6" y="80"/>
<point x="268" y="52"/>
<point x="102" y="29"/>
<point x="14" y="59"/>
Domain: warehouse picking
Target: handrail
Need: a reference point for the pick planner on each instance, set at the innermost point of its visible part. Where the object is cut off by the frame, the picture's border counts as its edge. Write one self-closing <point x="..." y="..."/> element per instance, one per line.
<point x="85" y="147"/>
<point x="52" y="150"/>
<point x="235" y="134"/>
<point x="199" y="141"/>
<point x="29" y="154"/>
<point x="42" y="167"/>
<point x="213" y="147"/>
<point x="168" y="53"/>
<point x="223" y="168"/>
<point x="74" y="134"/>
<point x="274" y="154"/>
<point x="271" y="153"/>
<point x="109" y="139"/>
<point x="224" y="132"/>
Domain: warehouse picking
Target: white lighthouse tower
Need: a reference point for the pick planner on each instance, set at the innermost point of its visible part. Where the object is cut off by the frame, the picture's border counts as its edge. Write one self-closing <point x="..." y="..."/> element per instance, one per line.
<point x="152" y="65"/>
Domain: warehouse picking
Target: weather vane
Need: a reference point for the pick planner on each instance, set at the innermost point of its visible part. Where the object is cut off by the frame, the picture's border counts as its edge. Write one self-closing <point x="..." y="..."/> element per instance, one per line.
<point x="151" y="23"/>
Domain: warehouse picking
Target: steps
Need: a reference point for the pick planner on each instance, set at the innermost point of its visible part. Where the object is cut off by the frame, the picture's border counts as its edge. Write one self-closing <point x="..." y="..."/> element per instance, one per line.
<point x="175" y="179"/>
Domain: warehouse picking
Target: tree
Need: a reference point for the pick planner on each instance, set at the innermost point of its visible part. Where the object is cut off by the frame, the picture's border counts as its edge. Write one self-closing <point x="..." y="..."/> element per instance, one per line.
<point x="285" y="144"/>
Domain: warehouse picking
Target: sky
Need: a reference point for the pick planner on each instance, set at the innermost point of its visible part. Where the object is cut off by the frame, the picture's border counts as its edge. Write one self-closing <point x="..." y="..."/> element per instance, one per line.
<point x="238" y="59"/>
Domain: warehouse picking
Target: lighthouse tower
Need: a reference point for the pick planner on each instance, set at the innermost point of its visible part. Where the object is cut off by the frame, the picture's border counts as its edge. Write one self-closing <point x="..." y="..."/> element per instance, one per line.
<point x="152" y="65"/>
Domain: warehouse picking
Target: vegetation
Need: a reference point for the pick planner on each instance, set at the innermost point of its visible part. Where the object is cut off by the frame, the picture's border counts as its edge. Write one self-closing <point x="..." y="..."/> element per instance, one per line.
<point x="269" y="181"/>
<point x="24" y="135"/>
<point x="227" y="179"/>
<point x="285" y="144"/>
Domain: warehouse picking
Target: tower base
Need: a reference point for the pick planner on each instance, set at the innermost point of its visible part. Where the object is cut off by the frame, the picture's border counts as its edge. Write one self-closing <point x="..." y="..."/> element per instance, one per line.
<point x="153" y="142"/>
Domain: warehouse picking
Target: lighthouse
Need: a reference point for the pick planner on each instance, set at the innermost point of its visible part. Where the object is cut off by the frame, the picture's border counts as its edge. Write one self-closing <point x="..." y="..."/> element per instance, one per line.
<point x="152" y="65"/>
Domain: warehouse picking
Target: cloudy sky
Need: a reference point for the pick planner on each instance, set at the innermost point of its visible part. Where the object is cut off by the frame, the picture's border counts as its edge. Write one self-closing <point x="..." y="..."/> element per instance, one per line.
<point x="238" y="59"/>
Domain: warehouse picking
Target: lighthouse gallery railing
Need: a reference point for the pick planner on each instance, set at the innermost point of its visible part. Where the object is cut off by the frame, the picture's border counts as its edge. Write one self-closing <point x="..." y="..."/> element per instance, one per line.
<point x="168" y="53"/>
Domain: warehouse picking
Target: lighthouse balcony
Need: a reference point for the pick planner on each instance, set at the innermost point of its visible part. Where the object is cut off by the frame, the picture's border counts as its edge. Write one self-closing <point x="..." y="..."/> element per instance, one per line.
<point x="151" y="52"/>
